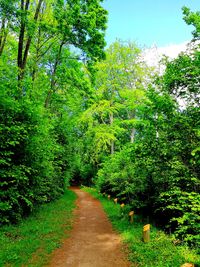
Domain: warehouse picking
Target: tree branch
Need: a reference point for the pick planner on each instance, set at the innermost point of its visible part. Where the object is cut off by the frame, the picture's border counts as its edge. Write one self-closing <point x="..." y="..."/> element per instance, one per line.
<point x="53" y="75"/>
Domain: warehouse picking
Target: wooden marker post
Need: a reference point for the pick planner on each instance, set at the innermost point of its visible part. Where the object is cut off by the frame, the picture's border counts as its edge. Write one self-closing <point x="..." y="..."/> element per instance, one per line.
<point x="109" y="197"/>
<point x="146" y="233"/>
<point x="115" y="200"/>
<point x="131" y="213"/>
<point x="187" y="265"/>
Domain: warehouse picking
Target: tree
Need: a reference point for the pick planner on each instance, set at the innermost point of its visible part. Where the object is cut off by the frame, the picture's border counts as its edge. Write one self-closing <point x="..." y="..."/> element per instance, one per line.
<point x="74" y="23"/>
<point x="40" y="78"/>
<point x="120" y="83"/>
<point x="7" y="10"/>
<point x="81" y="24"/>
<point x="182" y="77"/>
<point x="158" y="173"/>
<point x="24" y="45"/>
<point x="182" y="74"/>
<point x="192" y="18"/>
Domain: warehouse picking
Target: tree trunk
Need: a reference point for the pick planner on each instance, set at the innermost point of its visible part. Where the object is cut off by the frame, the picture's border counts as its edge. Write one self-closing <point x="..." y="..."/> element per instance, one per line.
<point x="28" y="43"/>
<point x="23" y="53"/>
<point x="156" y="126"/>
<point x="112" y="148"/>
<point x="53" y="82"/>
<point x="3" y="35"/>
<point x="132" y="136"/>
<point x="24" y="9"/>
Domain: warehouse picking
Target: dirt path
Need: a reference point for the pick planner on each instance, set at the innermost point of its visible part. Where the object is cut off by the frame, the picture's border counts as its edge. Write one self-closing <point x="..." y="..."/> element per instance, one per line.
<point x="92" y="243"/>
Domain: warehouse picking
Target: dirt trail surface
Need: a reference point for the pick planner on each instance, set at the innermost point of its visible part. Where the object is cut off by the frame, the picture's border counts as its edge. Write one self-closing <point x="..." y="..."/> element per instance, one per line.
<point x="92" y="242"/>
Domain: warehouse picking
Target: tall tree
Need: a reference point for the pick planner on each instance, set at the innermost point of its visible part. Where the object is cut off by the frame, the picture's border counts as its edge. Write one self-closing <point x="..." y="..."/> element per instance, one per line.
<point x="29" y="30"/>
<point x="7" y="10"/>
<point x="120" y="84"/>
<point x="192" y="18"/>
<point x="80" y="24"/>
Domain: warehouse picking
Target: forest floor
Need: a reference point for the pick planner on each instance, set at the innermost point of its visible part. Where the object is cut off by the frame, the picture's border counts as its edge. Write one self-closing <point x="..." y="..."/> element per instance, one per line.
<point x="93" y="242"/>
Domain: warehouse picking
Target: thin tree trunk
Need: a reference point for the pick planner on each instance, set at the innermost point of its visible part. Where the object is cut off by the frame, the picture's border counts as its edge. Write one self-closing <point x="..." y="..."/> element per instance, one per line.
<point x="2" y="30"/>
<point x="53" y="81"/>
<point x="132" y="136"/>
<point x="28" y="43"/>
<point x="156" y="123"/>
<point x="23" y="53"/>
<point x="21" y="41"/>
<point x="3" y="35"/>
<point x="112" y="148"/>
<point x="131" y="115"/>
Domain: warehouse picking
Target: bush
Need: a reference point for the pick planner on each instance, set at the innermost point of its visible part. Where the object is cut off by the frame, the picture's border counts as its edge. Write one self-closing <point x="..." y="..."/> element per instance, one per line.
<point x="29" y="166"/>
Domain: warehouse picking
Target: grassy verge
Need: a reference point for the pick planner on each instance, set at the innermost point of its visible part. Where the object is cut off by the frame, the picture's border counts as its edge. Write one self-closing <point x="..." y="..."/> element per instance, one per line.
<point x="159" y="252"/>
<point x="31" y="242"/>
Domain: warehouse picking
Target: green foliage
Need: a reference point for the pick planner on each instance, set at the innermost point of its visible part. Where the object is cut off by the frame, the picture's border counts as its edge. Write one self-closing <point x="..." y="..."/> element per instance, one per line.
<point x="159" y="252"/>
<point x="181" y="78"/>
<point x="31" y="242"/>
<point x="147" y="173"/>
<point x="112" y="115"/>
<point x="192" y="18"/>
<point x="82" y="24"/>
<point x="141" y="135"/>
<point x="44" y="88"/>
<point x="183" y="208"/>
<point x="29" y="168"/>
<point x="119" y="178"/>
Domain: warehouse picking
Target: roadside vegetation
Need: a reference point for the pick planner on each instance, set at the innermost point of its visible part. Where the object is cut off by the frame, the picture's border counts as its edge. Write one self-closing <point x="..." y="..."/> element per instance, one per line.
<point x="30" y="242"/>
<point x="161" y="251"/>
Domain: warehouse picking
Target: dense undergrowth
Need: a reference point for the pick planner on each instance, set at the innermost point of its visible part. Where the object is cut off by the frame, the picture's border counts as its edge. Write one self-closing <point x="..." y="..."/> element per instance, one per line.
<point x="160" y="177"/>
<point x="159" y="252"/>
<point x="30" y="242"/>
<point x="30" y="166"/>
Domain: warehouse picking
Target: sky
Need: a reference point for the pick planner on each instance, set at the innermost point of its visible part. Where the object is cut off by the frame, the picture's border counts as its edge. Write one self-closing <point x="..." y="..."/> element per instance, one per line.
<point x="149" y="22"/>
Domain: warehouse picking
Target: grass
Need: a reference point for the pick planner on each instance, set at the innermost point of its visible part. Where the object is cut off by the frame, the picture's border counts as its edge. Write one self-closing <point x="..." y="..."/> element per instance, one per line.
<point x="31" y="242"/>
<point x="159" y="252"/>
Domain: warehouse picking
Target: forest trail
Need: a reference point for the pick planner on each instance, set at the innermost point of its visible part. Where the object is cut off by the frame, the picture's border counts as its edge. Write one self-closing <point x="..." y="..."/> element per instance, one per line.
<point x="92" y="242"/>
